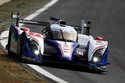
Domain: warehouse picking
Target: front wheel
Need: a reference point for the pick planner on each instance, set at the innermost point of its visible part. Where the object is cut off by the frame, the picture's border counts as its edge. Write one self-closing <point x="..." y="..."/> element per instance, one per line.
<point x="97" y="69"/>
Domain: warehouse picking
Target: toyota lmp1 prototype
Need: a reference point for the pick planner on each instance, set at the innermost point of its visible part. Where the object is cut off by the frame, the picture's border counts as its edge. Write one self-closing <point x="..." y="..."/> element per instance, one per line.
<point x="57" y="42"/>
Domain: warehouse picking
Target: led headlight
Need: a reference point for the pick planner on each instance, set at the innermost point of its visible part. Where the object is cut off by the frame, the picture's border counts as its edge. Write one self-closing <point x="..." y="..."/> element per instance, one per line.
<point x="98" y="55"/>
<point x="95" y="59"/>
<point x="34" y="47"/>
<point x="36" y="52"/>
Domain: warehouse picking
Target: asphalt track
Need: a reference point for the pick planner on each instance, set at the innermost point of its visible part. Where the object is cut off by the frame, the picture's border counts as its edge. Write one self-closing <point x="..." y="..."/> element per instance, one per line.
<point x="108" y="20"/>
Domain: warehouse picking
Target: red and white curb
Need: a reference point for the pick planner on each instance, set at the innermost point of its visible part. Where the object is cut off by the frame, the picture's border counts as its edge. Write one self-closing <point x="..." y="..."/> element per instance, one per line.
<point x="4" y="40"/>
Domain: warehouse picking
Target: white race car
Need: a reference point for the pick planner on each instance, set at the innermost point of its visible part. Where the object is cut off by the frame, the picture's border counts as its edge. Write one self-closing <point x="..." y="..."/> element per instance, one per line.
<point x="58" y="42"/>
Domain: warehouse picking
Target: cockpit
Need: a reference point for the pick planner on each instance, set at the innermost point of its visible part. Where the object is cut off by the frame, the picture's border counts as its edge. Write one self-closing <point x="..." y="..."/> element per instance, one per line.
<point x="62" y="33"/>
<point x="64" y="36"/>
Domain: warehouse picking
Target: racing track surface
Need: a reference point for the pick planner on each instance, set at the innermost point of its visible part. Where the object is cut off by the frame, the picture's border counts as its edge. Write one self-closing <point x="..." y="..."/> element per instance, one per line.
<point x="108" y="20"/>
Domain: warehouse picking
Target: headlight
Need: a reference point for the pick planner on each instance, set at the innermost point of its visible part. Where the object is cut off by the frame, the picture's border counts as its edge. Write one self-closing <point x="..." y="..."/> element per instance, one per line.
<point x="95" y="59"/>
<point x="34" y="47"/>
<point x="98" y="55"/>
<point x="36" y="52"/>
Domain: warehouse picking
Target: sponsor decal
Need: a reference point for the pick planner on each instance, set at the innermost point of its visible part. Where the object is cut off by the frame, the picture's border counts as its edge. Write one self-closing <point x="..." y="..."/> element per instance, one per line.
<point x="79" y="52"/>
<point x="66" y="49"/>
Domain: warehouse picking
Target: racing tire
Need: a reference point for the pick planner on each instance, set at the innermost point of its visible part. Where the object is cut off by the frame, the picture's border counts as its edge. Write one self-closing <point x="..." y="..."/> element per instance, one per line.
<point x="96" y="70"/>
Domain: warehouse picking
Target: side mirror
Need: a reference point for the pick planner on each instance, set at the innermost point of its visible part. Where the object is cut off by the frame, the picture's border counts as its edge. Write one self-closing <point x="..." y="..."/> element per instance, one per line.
<point x="62" y="22"/>
<point x="99" y="38"/>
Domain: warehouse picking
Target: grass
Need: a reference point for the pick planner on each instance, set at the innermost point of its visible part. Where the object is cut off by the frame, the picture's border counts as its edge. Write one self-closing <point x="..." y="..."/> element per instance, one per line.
<point x="11" y="72"/>
<point x="23" y="6"/>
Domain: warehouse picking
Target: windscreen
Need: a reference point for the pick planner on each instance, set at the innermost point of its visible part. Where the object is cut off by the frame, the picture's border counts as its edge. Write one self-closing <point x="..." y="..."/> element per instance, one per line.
<point x="66" y="36"/>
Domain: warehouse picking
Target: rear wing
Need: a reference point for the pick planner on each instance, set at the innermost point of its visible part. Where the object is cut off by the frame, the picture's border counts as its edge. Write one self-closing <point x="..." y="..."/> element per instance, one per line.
<point x="42" y="23"/>
<point x="18" y="20"/>
<point x="84" y="24"/>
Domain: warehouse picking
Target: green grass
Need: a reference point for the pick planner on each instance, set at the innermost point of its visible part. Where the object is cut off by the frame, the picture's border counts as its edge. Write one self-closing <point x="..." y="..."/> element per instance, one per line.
<point x="23" y="6"/>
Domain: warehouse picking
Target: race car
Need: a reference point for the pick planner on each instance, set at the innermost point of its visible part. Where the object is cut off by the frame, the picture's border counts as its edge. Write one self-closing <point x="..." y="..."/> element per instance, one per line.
<point x="57" y="42"/>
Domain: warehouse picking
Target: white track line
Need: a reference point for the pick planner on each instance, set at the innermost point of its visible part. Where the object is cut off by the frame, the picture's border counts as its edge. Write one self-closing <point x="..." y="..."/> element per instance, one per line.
<point x="4" y="1"/>
<point x="47" y="74"/>
<point x="4" y="38"/>
<point x="41" y="10"/>
<point x="40" y="70"/>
